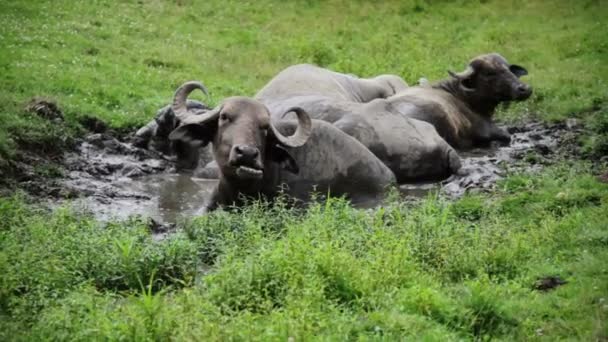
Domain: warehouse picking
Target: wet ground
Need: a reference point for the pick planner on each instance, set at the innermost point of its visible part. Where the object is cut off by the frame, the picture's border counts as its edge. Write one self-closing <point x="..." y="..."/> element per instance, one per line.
<point x="113" y="179"/>
<point x="533" y="146"/>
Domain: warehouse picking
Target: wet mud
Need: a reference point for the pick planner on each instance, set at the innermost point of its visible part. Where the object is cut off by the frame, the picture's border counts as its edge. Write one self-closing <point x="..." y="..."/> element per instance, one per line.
<point x="113" y="179"/>
<point x="533" y="146"/>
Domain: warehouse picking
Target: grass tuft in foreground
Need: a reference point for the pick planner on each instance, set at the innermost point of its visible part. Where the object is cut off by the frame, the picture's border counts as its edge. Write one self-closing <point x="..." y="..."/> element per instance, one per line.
<point x="435" y="270"/>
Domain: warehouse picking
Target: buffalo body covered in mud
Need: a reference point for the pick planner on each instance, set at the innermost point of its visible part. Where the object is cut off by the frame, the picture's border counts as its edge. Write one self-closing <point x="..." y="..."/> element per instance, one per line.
<point x="461" y="108"/>
<point x="256" y="157"/>
<point x="411" y="148"/>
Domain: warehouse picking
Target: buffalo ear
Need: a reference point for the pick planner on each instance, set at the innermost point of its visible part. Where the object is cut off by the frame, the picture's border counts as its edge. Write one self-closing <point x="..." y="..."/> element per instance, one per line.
<point x="195" y="134"/>
<point x="519" y="71"/>
<point x="281" y="156"/>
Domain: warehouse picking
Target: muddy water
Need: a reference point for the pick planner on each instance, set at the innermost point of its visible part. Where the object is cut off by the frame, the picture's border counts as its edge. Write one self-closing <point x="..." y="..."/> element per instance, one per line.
<point x="166" y="198"/>
<point x="533" y="145"/>
<point x="113" y="179"/>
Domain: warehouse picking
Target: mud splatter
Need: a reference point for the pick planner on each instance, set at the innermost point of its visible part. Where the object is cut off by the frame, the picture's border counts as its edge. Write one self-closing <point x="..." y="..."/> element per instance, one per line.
<point x="45" y="108"/>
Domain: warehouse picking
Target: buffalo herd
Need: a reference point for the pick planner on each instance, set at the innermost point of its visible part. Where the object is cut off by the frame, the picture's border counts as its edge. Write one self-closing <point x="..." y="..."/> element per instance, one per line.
<point x="311" y="129"/>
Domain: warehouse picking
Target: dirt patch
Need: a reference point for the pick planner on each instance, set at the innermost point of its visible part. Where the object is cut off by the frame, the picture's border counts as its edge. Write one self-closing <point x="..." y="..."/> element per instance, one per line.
<point x="114" y="179"/>
<point x="44" y="108"/>
<point x="93" y="124"/>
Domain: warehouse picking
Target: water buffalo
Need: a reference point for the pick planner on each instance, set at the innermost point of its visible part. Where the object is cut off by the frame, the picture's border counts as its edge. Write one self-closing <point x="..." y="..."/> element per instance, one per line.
<point x="155" y="135"/>
<point x="305" y="79"/>
<point x="412" y="149"/>
<point x="258" y="157"/>
<point x="461" y="107"/>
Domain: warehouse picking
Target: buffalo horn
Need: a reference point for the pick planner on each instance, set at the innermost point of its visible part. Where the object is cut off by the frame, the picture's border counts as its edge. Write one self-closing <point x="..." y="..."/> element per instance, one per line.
<point x="181" y="95"/>
<point x="302" y="133"/>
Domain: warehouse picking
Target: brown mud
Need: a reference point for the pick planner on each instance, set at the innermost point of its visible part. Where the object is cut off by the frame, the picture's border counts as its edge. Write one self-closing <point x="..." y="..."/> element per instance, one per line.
<point x="112" y="179"/>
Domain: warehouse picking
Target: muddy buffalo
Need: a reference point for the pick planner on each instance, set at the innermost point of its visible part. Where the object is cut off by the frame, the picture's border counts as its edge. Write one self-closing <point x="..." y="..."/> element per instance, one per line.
<point x="357" y="106"/>
<point x="411" y="148"/>
<point x="257" y="157"/>
<point x="307" y="79"/>
<point x="461" y="108"/>
<point x="155" y="136"/>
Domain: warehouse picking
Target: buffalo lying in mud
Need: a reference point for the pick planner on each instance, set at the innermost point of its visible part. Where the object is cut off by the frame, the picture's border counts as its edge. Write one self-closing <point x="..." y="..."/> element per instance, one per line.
<point x="306" y="79"/>
<point x="395" y="128"/>
<point x="405" y="127"/>
<point x="155" y="135"/>
<point x="335" y="85"/>
<point x="461" y="107"/>
<point x="258" y="157"/>
<point x="411" y="148"/>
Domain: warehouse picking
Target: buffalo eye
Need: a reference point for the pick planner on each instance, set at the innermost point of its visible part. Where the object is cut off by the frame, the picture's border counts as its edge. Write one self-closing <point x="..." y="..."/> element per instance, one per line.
<point x="224" y="117"/>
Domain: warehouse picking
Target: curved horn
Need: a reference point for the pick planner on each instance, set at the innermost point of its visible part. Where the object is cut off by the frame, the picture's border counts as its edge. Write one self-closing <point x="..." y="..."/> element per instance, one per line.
<point x="181" y="95"/>
<point x="462" y="75"/>
<point x="302" y="133"/>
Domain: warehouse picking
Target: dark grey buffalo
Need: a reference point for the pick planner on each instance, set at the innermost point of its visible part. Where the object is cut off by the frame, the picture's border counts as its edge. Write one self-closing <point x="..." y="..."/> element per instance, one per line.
<point x="461" y="108"/>
<point x="256" y="157"/>
<point x="155" y="135"/>
<point x="411" y="148"/>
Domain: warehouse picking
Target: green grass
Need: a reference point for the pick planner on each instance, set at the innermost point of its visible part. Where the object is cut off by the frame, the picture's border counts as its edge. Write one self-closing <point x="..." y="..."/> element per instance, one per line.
<point x="120" y="61"/>
<point x="434" y="270"/>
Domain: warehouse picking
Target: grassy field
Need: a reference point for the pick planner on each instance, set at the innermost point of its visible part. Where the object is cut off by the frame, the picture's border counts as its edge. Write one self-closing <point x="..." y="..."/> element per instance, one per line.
<point x="435" y="270"/>
<point x="122" y="60"/>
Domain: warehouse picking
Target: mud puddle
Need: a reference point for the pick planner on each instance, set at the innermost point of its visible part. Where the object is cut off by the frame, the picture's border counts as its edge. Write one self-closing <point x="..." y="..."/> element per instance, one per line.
<point x="166" y="198"/>
<point x="114" y="180"/>
<point x="533" y="146"/>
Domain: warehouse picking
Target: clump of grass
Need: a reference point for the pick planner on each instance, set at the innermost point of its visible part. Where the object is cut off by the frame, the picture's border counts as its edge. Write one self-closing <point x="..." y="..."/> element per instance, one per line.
<point x="44" y="256"/>
<point x="595" y="143"/>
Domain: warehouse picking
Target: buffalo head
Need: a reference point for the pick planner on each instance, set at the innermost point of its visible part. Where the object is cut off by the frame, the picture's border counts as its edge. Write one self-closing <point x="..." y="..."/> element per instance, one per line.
<point x="490" y="79"/>
<point x="243" y="137"/>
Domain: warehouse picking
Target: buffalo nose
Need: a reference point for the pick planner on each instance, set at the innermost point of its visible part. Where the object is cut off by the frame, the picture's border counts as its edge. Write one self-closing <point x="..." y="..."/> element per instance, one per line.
<point x="524" y="89"/>
<point x="246" y="153"/>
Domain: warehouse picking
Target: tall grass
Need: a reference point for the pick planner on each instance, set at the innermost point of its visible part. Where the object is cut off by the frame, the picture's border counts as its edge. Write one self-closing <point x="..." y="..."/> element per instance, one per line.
<point x="435" y="270"/>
